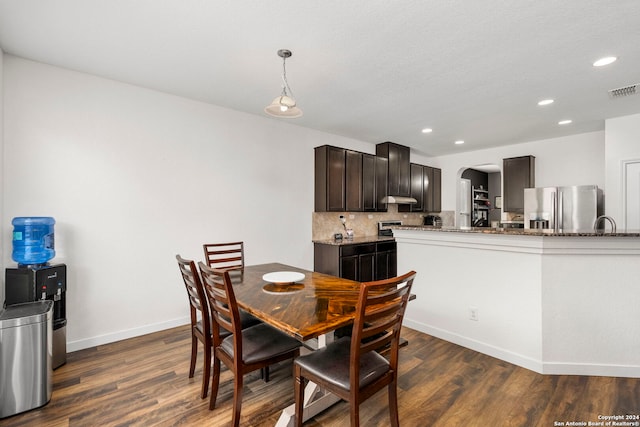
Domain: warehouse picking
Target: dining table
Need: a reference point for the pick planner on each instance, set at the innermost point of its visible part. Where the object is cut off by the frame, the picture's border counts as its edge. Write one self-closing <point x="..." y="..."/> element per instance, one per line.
<point x="304" y="304"/>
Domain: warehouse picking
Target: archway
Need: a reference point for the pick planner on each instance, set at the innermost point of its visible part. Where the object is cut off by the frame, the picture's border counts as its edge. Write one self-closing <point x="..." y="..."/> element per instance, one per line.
<point x="479" y="195"/>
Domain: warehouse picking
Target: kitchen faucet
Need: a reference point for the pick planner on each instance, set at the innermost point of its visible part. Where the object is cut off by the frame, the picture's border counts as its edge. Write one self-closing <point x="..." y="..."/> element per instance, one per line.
<point x="608" y="218"/>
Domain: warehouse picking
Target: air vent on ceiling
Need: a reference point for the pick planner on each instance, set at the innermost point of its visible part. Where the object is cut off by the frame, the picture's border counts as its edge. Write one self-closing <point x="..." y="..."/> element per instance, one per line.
<point x="624" y="91"/>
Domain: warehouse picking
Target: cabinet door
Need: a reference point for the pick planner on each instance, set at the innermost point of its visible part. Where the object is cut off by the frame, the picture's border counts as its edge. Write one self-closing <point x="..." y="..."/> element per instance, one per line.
<point x="366" y="267"/>
<point x="329" y="179"/>
<point x="386" y="260"/>
<point x="417" y="187"/>
<point x="518" y="174"/>
<point x="349" y="267"/>
<point x="436" y="190"/>
<point x="399" y="169"/>
<point x="432" y="192"/>
<point x="369" y="183"/>
<point x="382" y="189"/>
<point x="353" y="181"/>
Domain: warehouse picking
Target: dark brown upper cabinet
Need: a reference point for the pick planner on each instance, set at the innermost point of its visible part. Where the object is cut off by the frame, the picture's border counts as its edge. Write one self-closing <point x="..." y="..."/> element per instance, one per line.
<point x="330" y="179"/>
<point x="425" y="188"/>
<point x="399" y="171"/>
<point x="518" y="174"/>
<point x="374" y="182"/>
<point x="433" y="189"/>
<point x="353" y="181"/>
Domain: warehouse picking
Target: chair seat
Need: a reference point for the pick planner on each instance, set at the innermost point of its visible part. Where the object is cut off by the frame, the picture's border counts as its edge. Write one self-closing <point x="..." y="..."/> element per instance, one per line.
<point x="261" y="342"/>
<point x="332" y="364"/>
<point x="247" y="321"/>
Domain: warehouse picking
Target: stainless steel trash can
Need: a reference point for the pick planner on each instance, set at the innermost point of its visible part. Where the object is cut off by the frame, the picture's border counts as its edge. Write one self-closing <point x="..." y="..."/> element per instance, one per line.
<point x="26" y="372"/>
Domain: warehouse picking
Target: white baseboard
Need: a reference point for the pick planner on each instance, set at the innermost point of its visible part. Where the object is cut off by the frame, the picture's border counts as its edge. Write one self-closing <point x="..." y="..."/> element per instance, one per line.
<point x="541" y="367"/>
<point x="481" y="347"/>
<point x="123" y="335"/>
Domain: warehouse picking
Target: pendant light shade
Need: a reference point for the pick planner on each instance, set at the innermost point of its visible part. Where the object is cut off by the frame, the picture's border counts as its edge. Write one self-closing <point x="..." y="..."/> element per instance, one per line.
<point x="284" y="106"/>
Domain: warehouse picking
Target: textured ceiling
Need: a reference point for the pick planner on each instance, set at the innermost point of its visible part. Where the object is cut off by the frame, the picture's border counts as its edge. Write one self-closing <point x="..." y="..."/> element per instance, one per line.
<point x="374" y="70"/>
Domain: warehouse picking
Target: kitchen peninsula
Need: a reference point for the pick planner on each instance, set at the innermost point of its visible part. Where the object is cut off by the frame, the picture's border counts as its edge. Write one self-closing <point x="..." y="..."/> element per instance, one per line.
<point x="551" y="302"/>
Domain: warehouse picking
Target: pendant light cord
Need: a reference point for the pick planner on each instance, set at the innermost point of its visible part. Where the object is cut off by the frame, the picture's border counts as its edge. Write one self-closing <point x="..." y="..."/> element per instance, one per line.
<point x="285" y="83"/>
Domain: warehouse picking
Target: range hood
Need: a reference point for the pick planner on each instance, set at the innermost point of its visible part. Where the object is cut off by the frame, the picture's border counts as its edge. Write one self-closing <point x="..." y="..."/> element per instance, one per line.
<point x="400" y="200"/>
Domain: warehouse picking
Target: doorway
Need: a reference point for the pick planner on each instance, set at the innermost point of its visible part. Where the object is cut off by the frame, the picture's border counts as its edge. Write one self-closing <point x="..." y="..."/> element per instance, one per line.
<point x="480" y="205"/>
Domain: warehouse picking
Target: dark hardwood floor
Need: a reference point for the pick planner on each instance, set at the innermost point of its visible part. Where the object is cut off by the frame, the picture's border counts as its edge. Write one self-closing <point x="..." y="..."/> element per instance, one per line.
<point x="144" y="381"/>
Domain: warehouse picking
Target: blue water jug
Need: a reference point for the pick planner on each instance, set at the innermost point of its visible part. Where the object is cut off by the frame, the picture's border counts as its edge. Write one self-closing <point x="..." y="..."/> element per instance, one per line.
<point x="33" y="240"/>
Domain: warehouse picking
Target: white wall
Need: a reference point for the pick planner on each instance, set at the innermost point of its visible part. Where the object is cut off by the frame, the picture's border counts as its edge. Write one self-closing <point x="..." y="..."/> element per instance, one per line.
<point x="622" y="145"/>
<point x="134" y="177"/>
<point x="2" y="217"/>
<point x="570" y="160"/>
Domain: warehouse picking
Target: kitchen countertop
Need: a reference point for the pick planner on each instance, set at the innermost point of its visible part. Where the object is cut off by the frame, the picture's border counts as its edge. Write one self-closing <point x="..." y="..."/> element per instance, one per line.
<point x="509" y="231"/>
<point x="356" y="240"/>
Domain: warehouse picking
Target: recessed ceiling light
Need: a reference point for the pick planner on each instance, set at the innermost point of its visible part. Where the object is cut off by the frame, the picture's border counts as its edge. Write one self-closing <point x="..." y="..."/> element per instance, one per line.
<point x="459" y="142"/>
<point x="427" y="130"/>
<point x="546" y="102"/>
<point x="564" y="122"/>
<point x="604" y="61"/>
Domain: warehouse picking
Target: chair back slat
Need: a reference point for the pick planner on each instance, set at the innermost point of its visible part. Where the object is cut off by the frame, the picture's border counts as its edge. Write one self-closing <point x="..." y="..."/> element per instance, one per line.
<point x="379" y="314"/>
<point x="197" y="299"/>
<point x="222" y="300"/>
<point x="228" y="256"/>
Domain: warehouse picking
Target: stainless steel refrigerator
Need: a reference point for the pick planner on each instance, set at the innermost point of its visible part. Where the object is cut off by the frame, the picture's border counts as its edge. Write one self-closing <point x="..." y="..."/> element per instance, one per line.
<point x="562" y="209"/>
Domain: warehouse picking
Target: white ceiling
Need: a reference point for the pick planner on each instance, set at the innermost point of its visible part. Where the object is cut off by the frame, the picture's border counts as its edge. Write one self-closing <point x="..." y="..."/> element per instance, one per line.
<point x="374" y="70"/>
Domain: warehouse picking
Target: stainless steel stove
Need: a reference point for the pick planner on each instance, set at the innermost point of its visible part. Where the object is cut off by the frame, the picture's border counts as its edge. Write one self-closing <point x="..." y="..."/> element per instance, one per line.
<point x="383" y="227"/>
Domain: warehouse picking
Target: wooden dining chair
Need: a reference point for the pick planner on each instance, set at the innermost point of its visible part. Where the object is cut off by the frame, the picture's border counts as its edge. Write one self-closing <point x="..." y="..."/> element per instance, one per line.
<point x="245" y="350"/>
<point x="200" y="320"/>
<point x="230" y="256"/>
<point x="350" y="367"/>
<point x="224" y="255"/>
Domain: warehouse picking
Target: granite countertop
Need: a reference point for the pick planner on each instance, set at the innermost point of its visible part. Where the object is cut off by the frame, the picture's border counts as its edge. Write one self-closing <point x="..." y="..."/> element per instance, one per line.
<point x="356" y="240"/>
<point x="509" y="231"/>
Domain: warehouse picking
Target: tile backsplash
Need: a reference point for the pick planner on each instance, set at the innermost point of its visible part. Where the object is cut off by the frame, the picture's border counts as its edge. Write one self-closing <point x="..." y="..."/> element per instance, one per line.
<point x="326" y="224"/>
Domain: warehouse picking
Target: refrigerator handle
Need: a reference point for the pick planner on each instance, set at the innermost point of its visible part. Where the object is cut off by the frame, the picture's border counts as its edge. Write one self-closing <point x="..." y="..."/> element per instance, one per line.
<point x="559" y="215"/>
<point x="554" y="212"/>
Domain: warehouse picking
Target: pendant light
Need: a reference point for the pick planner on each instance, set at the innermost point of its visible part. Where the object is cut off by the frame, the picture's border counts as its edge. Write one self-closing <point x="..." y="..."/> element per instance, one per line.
<point x="284" y="106"/>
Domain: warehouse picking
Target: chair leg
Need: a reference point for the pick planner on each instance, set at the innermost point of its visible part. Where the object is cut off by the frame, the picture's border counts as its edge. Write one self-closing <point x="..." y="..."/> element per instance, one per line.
<point x="237" y="399"/>
<point x="393" y="404"/>
<point x="206" y="371"/>
<point x="264" y="374"/>
<point x="355" y="413"/>
<point x="298" y="391"/>
<point x="215" y="383"/>
<point x="194" y="354"/>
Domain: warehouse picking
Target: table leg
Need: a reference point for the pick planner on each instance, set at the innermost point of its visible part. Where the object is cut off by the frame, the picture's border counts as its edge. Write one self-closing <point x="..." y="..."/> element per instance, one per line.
<point x="316" y="399"/>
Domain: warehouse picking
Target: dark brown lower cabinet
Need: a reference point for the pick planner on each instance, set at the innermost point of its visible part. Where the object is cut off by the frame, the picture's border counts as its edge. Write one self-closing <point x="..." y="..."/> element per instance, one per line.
<point x="362" y="262"/>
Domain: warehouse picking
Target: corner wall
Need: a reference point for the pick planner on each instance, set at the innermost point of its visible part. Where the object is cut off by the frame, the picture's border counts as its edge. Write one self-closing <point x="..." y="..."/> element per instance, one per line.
<point x="622" y="146"/>
<point x="2" y="217"/>
<point x="134" y="177"/>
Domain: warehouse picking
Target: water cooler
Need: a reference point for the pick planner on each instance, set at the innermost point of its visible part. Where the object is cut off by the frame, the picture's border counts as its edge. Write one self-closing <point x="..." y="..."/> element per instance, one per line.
<point x="34" y="279"/>
<point x="42" y="282"/>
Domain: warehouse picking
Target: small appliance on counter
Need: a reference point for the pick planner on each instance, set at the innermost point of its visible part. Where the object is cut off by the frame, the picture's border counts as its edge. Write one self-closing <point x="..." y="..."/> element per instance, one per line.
<point x="433" y="220"/>
<point x="383" y="227"/>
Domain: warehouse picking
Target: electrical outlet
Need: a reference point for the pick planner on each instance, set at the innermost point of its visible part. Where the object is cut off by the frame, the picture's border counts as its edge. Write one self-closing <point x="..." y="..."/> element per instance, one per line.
<point x="473" y="313"/>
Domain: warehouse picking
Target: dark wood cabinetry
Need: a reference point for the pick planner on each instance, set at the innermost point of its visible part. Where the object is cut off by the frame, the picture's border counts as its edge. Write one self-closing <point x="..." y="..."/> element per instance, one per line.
<point x="329" y="179"/>
<point x="374" y="182"/>
<point x="425" y="188"/>
<point x="362" y="262"/>
<point x="347" y="180"/>
<point x="518" y="174"/>
<point x="399" y="171"/>
<point x="353" y="181"/>
<point x="433" y="191"/>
